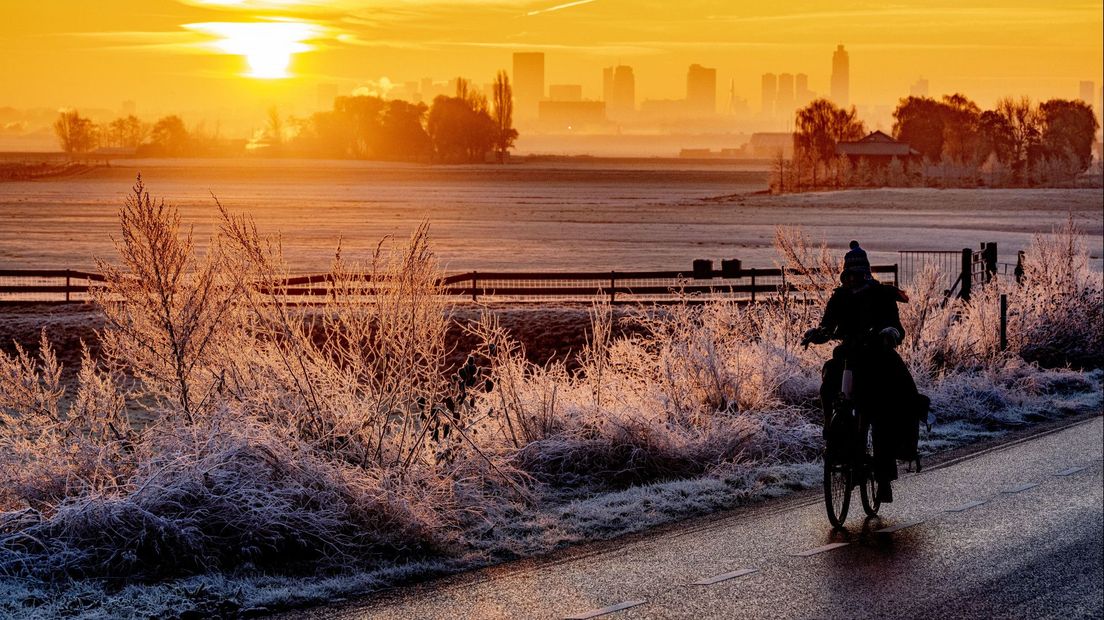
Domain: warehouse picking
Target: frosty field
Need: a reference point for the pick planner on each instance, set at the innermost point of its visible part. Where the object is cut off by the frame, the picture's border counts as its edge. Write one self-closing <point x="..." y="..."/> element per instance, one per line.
<point x="528" y="216"/>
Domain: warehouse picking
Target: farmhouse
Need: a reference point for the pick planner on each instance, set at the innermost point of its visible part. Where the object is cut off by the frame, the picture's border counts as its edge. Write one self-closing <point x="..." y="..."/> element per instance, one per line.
<point x="878" y="150"/>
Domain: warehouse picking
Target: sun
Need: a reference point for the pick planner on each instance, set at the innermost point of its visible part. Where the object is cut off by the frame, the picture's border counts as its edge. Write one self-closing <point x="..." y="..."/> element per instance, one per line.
<point x="266" y="46"/>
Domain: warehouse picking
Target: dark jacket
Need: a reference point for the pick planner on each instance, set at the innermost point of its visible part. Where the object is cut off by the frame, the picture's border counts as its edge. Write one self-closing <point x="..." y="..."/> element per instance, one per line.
<point x="853" y="313"/>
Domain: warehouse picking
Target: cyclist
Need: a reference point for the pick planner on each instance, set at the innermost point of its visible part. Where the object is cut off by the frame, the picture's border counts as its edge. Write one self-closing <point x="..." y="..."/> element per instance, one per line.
<point x="863" y="313"/>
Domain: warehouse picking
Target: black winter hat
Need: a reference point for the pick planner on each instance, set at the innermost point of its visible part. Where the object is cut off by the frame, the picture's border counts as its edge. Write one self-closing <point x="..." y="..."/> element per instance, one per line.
<point x="856" y="261"/>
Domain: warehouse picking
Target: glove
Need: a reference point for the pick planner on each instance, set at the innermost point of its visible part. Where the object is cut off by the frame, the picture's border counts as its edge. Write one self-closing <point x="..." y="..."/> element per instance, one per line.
<point x="814" y="336"/>
<point x="891" y="337"/>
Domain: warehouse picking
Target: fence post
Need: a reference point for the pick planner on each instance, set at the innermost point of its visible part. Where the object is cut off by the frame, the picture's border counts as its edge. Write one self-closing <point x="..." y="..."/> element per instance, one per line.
<point x="475" y="282"/>
<point x="967" y="273"/>
<point x="752" y="285"/>
<point x="68" y="273"/>
<point x="990" y="257"/>
<point x="895" y="280"/>
<point x="1004" y="322"/>
<point x="1019" y="272"/>
<point x="613" y="291"/>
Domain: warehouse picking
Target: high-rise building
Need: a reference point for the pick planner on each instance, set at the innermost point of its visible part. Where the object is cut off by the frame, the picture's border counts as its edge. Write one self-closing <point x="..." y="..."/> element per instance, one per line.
<point x="784" y="106"/>
<point x="802" y="94"/>
<point x="528" y="83"/>
<point x="565" y="92"/>
<point x="619" y="90"/>
<point x="770" y="93"/>
<point x="841" y="77"/>
<point x="919" y="89"/>
<point x="1087" y="89"/>
<point x="701" y="91"/>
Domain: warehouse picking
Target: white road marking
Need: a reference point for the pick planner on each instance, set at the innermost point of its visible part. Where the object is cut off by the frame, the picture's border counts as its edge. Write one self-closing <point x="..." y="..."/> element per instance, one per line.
<point x="708" y="581"/>
<point x="1022" y="487"/>
<point x="594" y="613"/>
<point x="895" y="528"/>
<point x="1070" y="471"/>
<point x="820" y="549"/>
<point x="967" y="506"/>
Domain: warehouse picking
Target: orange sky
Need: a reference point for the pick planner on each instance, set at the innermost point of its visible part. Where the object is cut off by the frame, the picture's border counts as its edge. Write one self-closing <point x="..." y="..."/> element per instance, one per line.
<point x="189" y="54"/>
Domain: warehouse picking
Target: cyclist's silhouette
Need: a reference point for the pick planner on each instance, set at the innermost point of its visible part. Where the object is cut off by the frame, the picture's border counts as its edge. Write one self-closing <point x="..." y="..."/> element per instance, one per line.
<point x="863" y="313"/>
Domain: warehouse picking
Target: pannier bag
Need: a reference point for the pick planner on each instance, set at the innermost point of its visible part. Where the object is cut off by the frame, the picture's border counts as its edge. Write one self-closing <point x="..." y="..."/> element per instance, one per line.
<point x="914" y="415"/>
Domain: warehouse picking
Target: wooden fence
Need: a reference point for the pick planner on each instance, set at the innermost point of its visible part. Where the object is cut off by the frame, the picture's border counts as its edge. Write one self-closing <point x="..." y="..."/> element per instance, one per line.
<point x="750" y="285"/>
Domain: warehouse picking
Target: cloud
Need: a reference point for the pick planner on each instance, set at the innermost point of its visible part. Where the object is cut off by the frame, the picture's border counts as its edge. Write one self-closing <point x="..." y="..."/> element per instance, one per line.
<point x="560" y="7"/>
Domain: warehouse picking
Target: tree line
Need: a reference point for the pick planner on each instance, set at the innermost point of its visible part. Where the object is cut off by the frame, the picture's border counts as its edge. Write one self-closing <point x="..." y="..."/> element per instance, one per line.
<point x="467" y="127"/>
<point x="1016" y="143"/>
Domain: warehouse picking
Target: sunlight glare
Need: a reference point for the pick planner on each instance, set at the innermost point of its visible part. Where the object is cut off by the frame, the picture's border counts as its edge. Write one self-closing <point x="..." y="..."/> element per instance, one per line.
<point x="266" y="46"/>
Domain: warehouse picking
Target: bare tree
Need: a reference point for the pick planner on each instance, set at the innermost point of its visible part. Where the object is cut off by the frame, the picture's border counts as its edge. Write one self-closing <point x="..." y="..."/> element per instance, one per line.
<point x="503" y="96"/>
<point x="76" y="133"/>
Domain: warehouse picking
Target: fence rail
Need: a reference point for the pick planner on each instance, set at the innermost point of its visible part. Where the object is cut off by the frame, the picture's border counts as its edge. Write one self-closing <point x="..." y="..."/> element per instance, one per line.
<point x="751" y="285"/>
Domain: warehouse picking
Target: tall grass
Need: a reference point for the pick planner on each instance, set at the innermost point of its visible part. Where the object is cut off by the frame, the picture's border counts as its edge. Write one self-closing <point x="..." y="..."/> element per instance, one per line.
<point x="285" y="439"/>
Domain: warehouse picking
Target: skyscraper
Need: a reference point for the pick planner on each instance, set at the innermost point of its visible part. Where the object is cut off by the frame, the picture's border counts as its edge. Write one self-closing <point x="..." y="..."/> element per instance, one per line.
<point x="528" y="83"/>
<point x="802" y="94"/>
<point x="785" y="104"/>
<point x="770" y="93"/>
<point x="619" y="89"/>
<point x="701" y="91"/>
<point x="919" y="89"/>
<point x="841" y="77"/>
<point x="1087" y="88"/>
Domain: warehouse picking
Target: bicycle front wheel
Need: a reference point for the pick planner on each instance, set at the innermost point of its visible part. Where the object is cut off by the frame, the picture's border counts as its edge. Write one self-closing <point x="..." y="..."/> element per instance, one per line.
<point x="837" y="491"/>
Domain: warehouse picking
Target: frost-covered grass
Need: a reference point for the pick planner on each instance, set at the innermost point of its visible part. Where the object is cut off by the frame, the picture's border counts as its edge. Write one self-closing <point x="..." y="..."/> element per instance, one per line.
<point x="294" y="457"/>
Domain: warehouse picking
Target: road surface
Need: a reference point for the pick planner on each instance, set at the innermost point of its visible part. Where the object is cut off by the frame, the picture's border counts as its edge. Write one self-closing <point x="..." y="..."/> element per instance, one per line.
<point x="1014" y="532"/>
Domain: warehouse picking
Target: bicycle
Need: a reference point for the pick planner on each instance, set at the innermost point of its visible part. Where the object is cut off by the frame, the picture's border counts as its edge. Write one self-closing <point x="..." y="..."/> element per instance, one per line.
<point x="848" y="452"/>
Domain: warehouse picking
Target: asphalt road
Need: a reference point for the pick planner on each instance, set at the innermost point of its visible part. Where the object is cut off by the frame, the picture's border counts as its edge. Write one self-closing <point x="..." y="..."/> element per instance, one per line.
<point x="1015" y="532"/>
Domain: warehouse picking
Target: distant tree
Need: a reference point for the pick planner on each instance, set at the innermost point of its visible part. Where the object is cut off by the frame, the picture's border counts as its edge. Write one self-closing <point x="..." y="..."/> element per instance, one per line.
<point x="274" y="128"/>
<point x="1068" y="130"/>
<point x="820" y="126"/>
<point x="918" y="121"/>
<point x="961" y="117"/>
<point x="503" y="96"/>
<point x="75" y="133"/>
<point x="1022" y="121"/>
<point x="170" y="137"/>
<point x="127" y="132"/>
<point x="364" y="118"/>
<point x="460" y="128"/>
<point x="402" y="135"/>
<point x="995" y="138"/>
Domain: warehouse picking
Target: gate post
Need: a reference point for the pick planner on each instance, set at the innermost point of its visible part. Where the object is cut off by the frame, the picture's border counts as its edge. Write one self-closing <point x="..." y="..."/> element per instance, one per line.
<point x="967" y="273"/>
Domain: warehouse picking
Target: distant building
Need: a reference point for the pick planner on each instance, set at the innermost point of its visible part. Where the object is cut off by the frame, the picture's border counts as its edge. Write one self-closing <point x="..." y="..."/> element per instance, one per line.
<point x="877" y="149"/>
<point x="701" y="91"/>
<point x="565" y="92"/>
<point x="129" y="108"/>
<point x="770" y="93"/>
<point x="802" y="95"/>
<point x="784" y="106"/>
<point x="663" y="109"/>
<point x="919" y="89"/>
<point x="1087" y="89"/>
<point x="571" y="115"/>
<point x="619" y="90"/>
<point x="528" y="83"/>
<point x="841" y="77"/>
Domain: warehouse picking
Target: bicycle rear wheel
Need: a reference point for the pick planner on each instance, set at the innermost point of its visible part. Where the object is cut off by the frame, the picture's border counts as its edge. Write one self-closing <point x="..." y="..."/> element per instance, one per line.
<point x="868" y="486"/>
<point x="837" y="490"/>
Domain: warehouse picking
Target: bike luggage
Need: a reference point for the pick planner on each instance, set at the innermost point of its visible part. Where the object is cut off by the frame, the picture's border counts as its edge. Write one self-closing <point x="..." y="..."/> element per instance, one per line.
<point x="914" y="415"/>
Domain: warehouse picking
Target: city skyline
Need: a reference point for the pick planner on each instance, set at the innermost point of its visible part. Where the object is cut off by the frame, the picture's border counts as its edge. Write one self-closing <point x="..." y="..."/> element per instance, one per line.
<point x="207" y="54"/>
